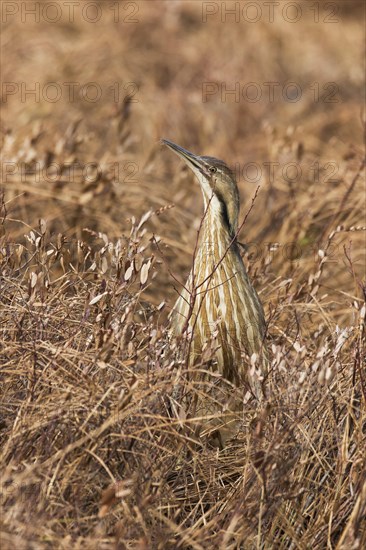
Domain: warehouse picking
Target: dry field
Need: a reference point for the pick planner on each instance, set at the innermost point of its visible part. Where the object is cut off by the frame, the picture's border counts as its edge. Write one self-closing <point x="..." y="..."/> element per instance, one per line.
<point x="98" y="222"/>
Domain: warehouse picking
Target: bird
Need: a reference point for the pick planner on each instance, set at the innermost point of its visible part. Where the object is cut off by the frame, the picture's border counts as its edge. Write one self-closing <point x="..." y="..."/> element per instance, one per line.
<point x="218" y="301"/>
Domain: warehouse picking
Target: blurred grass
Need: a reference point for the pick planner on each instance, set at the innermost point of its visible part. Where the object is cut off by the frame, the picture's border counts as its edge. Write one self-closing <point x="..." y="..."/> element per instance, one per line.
<point x="86" y="366"/>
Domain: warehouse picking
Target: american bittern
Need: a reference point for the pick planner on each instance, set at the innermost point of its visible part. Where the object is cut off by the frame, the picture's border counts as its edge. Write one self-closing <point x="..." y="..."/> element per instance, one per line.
<point x="218" y="298"/>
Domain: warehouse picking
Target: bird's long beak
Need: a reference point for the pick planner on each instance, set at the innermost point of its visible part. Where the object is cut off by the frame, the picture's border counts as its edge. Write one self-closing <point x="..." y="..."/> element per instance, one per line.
<point x="193" y="161"/>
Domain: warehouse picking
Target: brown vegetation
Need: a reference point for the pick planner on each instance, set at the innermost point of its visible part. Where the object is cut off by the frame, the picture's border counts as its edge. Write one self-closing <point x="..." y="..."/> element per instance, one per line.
<point x="96" y="219"/>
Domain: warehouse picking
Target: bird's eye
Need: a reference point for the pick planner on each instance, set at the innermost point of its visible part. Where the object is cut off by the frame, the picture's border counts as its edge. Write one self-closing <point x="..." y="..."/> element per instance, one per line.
<point x="212" y="169"/>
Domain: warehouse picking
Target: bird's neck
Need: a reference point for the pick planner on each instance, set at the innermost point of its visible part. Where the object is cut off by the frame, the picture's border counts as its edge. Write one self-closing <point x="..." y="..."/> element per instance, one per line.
<point x="216" y="235"/>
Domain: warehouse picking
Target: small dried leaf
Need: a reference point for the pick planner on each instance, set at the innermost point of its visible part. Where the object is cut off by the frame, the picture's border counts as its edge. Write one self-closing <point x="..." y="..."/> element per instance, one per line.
<point x="363" y="312"/>
<point x="302" y="377"/>
<point x="144" y="218"/>
<point x="129" y="273"/>
<point x="253" y="359"/>
<point x="104" y="265"/>
<point x="138" y="262"/>
<point x="314" y="291"/>
<point x="33" y="279"/>
<point x="130" y="348"/>
<point x="145" y="272"/>
<point x="97" y="298"/>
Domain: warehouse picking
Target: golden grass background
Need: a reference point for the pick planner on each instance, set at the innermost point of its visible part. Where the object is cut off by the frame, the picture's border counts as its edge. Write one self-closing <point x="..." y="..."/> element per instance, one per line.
<point x="96" y="220"/>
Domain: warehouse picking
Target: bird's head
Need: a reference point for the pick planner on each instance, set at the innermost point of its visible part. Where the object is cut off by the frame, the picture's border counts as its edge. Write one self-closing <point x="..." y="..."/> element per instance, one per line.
<point x="217" y="182"/>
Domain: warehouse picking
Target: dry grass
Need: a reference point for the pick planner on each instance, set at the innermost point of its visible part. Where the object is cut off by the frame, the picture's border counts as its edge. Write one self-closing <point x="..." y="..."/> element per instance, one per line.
<point x="87" y="370"/>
